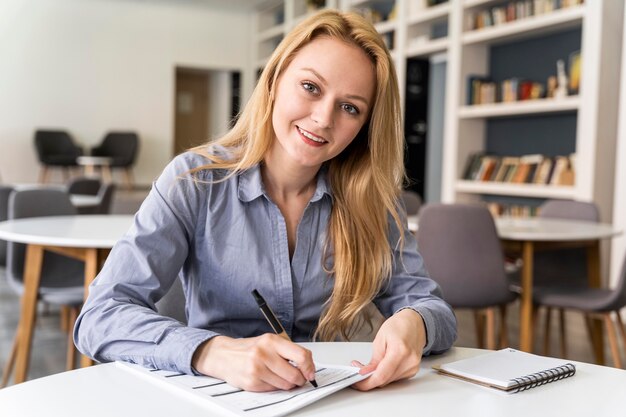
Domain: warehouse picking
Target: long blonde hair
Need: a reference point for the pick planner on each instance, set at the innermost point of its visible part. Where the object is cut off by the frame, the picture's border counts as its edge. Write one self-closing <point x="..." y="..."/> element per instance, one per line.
<point x="365" y="178"/>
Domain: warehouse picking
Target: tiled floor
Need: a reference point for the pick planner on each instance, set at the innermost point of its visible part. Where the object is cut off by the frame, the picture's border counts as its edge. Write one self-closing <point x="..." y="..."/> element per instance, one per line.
<point x="49" y="347"/>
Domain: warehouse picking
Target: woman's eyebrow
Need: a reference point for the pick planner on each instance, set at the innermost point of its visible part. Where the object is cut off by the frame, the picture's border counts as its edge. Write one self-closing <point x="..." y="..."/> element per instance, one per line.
<point x="323" y="81"/>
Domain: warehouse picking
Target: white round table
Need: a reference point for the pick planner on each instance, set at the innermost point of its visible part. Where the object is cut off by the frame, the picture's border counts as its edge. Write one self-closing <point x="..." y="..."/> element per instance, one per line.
<point x="85" y="237"/>
<point x="107" y="390"/>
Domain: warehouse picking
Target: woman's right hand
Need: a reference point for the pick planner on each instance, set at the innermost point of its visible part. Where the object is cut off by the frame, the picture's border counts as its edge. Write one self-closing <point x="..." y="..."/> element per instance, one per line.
<point x="255" y="364"/>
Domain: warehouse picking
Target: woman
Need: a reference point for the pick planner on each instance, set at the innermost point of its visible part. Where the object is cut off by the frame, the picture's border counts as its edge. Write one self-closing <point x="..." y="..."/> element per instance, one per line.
<point x="300" y="201"/>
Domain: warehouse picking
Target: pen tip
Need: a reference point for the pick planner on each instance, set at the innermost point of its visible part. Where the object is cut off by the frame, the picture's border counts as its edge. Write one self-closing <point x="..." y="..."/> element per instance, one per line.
<point x="313" y="382"/>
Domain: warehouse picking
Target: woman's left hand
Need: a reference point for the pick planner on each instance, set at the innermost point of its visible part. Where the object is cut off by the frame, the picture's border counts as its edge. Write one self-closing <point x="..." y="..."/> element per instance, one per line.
<point x="397" y="350"/>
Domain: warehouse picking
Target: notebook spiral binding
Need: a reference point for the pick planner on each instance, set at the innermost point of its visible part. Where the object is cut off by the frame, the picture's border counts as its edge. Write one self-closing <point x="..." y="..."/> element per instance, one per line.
<point x="544" y="377"/>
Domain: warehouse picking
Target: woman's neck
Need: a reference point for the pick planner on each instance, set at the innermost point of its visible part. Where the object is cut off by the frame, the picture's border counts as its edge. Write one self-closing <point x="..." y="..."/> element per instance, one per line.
<point x="285" y="181"/>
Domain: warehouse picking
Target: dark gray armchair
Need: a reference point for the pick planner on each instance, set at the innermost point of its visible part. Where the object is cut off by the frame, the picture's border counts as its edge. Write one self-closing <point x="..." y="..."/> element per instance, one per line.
<point x="122" y="148"/>
<point x="56" y="148"/>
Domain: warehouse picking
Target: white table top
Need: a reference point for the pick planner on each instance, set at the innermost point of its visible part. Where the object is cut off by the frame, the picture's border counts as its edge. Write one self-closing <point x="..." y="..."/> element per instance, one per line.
<point x="84" y="200"/>
<point x="547" y="230"/>
<point x="81" y="231"/>
<point x="94" y="160"/>
<point x="106" y="390"/>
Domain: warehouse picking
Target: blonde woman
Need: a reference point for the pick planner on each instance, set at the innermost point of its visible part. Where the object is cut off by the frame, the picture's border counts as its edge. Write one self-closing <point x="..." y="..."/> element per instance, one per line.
<point x="300" y="201"/>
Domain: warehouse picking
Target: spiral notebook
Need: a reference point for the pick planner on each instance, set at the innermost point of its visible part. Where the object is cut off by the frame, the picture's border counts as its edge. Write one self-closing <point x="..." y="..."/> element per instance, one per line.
<point x="509" y="370"/>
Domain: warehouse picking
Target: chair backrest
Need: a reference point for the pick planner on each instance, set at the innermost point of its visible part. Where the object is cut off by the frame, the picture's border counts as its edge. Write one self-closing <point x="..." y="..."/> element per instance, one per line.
<point x="463" y="254"/>
<point x="57" y="270"/>
<point x="569" y="210"/>
<point x="84" y="185"/>
<point x="121" y="146"/>
<point x="5" y="192"/>
<point x="54" y="143"/>
<point x="412" y="202"/>
<point x="567" y="265"/>
<point x="173" y="303"/>
<point x="106" y="198"/>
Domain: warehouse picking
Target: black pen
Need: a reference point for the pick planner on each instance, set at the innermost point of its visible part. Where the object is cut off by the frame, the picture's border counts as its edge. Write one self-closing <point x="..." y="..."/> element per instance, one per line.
<point x="273" y="320"/>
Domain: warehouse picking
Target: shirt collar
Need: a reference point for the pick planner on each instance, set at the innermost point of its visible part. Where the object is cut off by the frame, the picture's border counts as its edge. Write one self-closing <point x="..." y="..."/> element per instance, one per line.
<point x="251" y="184"/>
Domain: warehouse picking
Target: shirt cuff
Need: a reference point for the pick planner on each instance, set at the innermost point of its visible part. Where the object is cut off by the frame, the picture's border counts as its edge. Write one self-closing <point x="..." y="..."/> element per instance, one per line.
<point x="175" y="351"/>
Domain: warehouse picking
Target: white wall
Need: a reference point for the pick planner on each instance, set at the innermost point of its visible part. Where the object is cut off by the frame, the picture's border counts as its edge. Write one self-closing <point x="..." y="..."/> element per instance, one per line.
<point x="220" y="102"/>
<point x="618" y="247"/>
<point x="90" y="66"/>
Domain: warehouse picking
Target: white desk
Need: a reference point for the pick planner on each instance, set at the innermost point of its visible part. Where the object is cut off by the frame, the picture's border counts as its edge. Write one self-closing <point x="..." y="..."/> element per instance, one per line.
<point x="106" y="390"/>
<point x="85" y="200"/>
<point x="536" y="233"/>
<point x="84" y="237"/>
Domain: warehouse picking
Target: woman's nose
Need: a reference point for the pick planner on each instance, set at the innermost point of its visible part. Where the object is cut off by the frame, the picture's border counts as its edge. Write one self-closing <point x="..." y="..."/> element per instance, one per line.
<point x="323" y="113"/>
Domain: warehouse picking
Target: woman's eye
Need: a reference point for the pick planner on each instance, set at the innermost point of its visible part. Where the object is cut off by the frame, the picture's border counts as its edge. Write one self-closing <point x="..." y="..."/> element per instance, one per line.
<point x="350" y="109"/>
<point x="310" y="87"/>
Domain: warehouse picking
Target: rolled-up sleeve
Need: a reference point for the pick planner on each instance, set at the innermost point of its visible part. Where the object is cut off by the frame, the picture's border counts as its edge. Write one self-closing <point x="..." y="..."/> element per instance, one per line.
<point x="119" y="319"/>
<point x="411" y="287"/>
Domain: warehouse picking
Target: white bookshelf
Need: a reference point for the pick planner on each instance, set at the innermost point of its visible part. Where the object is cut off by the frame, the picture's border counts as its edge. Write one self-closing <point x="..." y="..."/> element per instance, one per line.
<point x="465" y="126"/>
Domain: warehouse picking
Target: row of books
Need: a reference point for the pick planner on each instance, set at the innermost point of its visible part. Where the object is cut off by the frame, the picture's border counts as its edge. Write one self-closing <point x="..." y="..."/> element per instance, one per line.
<point x="526" y="169"/>
<point x="515" y="10"/>
<point x="481" y="90"/>
<point x="512" y="210"/>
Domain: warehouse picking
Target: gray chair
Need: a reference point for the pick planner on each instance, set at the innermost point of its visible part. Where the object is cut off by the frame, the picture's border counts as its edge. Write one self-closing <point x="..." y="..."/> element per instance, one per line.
<point x="412" y="202"/>
<point x="122" y="148"/>
<point x="84" y="185"/>
<point x="5" y="192"/>
<point x="563" y="267"/>
<point x="62" y="278"/>
<point x="591" y="302"/>
<point x="56" y="148"/>
<point x="463" y="254"/>
<point x="105" y="197"/>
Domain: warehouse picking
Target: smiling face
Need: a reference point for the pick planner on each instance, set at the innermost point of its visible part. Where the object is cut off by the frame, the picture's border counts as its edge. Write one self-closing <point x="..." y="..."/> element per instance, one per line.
<point x="322" y="100"/>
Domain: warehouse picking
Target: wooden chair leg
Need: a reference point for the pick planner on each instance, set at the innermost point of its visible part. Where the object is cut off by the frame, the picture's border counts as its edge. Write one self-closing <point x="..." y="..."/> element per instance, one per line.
<point x="8" y="368"/>
<point x="43" y="174"/>
<point x="617" y="360"/>
<point x="128" y="178"/>
<point x="491" y="328"/>
<point x="504" y="334"/>
<point x="563" y="332"/>
<point x="546" y="332"/>
<point x="71" y="349"/>
<point x="621" y="327"/>
<point x="479" y="324"/>
<point x="64" y="317"/>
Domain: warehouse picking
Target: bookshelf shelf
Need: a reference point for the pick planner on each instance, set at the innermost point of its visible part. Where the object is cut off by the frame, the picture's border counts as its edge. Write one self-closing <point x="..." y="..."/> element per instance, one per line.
<point x="430" y="14"/>
<point x="475" y="3"/>
<point x="527" y="107"/>
<point x="386" y="26"/>
<point x="516" y="190"/>
<point x="427" y="48"/>
<point x="534" y="26"/>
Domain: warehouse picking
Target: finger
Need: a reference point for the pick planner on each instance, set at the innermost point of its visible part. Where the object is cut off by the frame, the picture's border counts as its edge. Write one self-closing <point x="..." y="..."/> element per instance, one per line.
<point x="277" y="380"/>
<point x="300" y="356"/>
<point x="384" y="374"/>
<point x="286" y="371"/>
<point x="364" y="369"/>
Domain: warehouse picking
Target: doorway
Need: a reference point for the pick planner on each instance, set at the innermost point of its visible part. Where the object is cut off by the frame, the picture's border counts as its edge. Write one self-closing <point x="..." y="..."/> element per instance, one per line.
<point x="205" y="106"/>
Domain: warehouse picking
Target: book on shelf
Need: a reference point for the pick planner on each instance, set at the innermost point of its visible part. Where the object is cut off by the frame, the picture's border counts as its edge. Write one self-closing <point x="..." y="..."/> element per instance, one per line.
<point x="509" y="370"/>
<point x="526" y="169"/>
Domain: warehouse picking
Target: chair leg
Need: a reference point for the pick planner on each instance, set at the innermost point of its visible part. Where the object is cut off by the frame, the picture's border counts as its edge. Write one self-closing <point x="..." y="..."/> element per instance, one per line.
<point x="622" y="330"/>
<point x="546" y="332"/>
<point x="128" y="178"/>
<point x="491" y="328"/>
<point x="43" y="174"/>
<point x="563" y="332"/>
<point x="64" y="318"/>
<point x="8" y="369"/>
<point x="504" y="334"/>
<point x="479" y="324"/>
<point x="71" y="349"/>
<point x="617" y="360"/>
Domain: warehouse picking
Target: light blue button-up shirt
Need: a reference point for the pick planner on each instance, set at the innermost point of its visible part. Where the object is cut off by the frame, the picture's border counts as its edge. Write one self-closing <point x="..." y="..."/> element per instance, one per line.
<point x="224" y="239"/>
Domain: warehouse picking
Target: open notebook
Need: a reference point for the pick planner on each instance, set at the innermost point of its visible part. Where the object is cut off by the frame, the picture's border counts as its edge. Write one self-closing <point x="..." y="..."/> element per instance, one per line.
<point x="509" y="370"/>
<point x="218" y="394"/>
